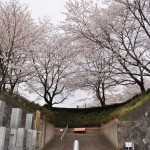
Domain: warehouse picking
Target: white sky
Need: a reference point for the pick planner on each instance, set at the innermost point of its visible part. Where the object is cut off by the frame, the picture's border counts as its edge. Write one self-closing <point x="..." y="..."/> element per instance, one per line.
<point x="51" y="8"/>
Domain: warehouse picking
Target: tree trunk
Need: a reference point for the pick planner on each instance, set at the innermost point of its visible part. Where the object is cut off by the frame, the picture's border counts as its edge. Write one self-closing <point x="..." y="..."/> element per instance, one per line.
<point x="103" y="103"/>
<point x="101" y="99"/>
<point x="48" y="100"/>
<point x="142" y="88"/>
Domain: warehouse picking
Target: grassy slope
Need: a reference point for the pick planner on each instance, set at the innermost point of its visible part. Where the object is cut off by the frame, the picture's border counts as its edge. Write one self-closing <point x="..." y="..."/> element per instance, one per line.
<point x="86" y="117"/>
<point x="99" y="116"/>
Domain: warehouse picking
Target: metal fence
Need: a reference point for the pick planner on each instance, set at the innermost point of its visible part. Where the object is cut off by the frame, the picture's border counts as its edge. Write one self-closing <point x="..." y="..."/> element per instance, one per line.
<point x="16" y="138"/>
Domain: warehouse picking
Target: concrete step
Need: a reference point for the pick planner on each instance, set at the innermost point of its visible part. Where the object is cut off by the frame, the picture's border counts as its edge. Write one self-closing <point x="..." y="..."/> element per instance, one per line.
<point x="86" y="142"/>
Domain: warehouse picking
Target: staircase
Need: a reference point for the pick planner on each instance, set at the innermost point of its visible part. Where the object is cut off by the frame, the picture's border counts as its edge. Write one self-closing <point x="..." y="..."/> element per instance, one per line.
<point x="86" y="142"/>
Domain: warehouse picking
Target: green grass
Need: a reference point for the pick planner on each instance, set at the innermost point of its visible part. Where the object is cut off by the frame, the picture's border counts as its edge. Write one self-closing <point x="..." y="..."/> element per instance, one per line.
<point x="30" y="106"/>
<point x="122" y="111"/>
<point x="98" y="116"/>
<point x="60" y="117"/>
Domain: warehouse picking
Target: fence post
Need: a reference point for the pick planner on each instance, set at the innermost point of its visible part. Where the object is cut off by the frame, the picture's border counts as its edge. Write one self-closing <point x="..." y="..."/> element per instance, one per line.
<point x="2" y="139"/>
<point x="15" y="118"/>
<point x="2" y="110"/>
<point x="37" y="128"/>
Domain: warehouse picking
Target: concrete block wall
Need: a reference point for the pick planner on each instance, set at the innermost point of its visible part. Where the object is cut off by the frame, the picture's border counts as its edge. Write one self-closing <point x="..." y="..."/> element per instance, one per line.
<point x="139" y="133"/>
<point x="136" y="128"/>
<point x="109" y="130"/>
<point x="119" y="132"/>
<point x="123" y="128"/>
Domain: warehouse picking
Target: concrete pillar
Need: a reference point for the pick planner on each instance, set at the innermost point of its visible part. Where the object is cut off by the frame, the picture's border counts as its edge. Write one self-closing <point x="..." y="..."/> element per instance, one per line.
<point x="20" y="138"/>
<point x="31" y="139"/>
<point x="15" y="121"/>
<point x="2" y="110"/>
<point x="2" y="137"/>
<point x="12" y="139"/>
<point x="29" y="121"/>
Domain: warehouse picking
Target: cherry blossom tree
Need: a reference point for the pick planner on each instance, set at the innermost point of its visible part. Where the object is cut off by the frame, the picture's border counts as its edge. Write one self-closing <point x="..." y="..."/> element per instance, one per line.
<point x="52" y="60"/>
<point x="113" y="29"/>
<point x="95" y="70"/>
<point x="138" y="13"/>
<point x="127" y="43"/>
<point x="17" y="32"/>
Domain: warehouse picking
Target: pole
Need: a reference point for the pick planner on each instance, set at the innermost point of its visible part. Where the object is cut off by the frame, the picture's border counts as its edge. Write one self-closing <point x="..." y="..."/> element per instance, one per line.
<point x="76" y="145"/>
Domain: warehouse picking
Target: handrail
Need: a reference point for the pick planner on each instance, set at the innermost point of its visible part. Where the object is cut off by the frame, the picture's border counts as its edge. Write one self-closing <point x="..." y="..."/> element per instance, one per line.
<point x="62" y="137"/>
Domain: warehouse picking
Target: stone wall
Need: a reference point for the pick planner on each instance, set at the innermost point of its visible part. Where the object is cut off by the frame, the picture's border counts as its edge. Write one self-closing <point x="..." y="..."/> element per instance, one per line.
<point x="135" y="131"/>
<point x="136" y="128"/>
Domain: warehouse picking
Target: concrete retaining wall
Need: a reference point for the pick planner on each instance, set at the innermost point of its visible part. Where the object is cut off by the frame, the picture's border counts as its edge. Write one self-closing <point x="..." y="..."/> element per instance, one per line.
<point x="109" y="130"/>
<point x="48" y="132"/>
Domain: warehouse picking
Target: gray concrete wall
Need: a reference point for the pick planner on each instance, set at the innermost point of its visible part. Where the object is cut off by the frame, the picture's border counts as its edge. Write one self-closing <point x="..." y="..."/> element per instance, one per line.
<point x="109" y="130"/>
<point x="48" y="132"/>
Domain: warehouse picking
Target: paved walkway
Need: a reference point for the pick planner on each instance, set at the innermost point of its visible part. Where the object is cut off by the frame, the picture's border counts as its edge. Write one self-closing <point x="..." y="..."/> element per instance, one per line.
<point x="86" y="142"/>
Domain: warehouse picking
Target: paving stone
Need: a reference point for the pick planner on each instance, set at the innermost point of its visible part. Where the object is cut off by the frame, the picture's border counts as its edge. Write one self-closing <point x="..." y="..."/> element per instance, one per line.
<point x="134" y="135"/>
<point x="148" y="123"/>
<point x="148" y="115"/>
<point x="138" y="129"/>
<point x="148" y="135"/>
<point x="147" y="140"/>
<point x="145" y="128"/>
<point x="129" y="139"/>
<point x="127" y="135"/>
<point x="146" y="147"/>
<point x="143" y="135"/>
<point x="139" y="141"/>
<point x="137" y="147"/>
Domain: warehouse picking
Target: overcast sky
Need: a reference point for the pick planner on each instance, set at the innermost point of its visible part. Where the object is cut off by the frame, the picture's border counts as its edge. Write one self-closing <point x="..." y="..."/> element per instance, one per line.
<point x="51" y="8"/>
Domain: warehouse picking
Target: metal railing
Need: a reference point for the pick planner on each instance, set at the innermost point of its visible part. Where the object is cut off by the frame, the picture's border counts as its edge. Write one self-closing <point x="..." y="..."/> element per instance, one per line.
<point x="63" y="137"/>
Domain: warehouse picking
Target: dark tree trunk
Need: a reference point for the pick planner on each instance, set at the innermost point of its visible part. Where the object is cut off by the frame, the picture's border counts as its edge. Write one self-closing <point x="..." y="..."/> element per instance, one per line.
<point x="48" y="99"/>
<point x="100" y="98"/>
<point x="142" y="88"/>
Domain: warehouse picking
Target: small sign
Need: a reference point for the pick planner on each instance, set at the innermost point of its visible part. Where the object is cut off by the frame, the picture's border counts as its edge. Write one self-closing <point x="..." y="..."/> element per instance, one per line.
<point x="128" y="144"/>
